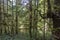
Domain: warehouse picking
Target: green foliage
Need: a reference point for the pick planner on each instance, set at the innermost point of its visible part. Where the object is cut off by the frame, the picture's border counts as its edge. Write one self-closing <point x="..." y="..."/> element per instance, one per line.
<point x="17" y="17"/>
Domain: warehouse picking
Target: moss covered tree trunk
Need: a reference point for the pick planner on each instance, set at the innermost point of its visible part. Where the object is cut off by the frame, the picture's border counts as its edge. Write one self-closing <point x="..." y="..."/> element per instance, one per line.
<point x="56" y="18"/>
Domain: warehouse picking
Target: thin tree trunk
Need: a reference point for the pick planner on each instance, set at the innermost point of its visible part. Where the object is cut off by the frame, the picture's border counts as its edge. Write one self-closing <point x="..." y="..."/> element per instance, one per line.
<point x="30" y="19"/>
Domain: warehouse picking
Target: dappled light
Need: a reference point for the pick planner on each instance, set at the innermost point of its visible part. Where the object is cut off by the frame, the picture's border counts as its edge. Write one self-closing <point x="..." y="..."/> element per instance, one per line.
<point x="29" y="20"/>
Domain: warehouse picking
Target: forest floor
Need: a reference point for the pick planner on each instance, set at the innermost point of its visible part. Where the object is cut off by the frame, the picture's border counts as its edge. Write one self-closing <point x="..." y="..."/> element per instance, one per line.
<point x="15" y="37"/>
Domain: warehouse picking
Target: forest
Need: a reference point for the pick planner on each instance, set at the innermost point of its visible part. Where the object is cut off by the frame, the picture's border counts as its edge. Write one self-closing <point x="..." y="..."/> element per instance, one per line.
<point x="29" y="19"/>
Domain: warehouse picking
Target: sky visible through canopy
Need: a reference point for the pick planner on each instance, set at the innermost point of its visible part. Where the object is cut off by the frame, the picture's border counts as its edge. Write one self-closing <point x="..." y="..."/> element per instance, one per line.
<point x="23" y="2"/>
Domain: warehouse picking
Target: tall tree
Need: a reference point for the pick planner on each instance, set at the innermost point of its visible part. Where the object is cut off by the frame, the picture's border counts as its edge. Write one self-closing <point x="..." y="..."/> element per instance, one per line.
<point x="56" y="18"/>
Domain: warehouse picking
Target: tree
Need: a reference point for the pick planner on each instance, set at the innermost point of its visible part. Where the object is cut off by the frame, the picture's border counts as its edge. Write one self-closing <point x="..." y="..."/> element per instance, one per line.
<point x="56" y="18"/>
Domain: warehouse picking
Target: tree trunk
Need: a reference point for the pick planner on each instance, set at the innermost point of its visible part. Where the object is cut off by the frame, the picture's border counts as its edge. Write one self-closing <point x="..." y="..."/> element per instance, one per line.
<point x="30" y="19"/>
<point x="56" y="18"/>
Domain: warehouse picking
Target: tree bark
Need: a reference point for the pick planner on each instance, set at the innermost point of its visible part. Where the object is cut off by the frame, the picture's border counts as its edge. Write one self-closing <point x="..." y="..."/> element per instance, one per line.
<point x="56" y="18"/>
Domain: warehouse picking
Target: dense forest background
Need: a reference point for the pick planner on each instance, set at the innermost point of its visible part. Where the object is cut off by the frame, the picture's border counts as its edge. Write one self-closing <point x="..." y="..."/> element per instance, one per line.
<point x="27" y="19"/>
